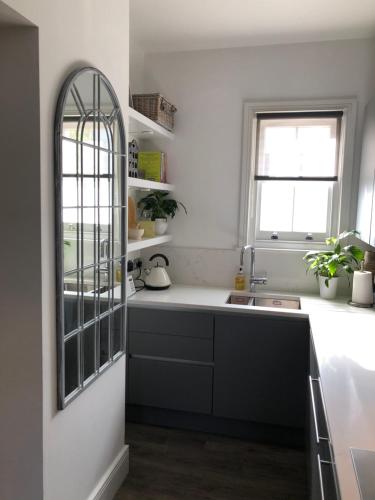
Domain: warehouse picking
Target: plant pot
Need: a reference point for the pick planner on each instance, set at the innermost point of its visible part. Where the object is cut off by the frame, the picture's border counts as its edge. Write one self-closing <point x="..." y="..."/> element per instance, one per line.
<point x="161" y="226"/>
<point x="328" y="292"/>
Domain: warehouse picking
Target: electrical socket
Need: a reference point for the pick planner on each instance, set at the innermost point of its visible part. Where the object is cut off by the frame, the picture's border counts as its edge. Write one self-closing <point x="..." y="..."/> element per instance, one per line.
<point x="137" y="263"/>
<point x="134" y="264"/>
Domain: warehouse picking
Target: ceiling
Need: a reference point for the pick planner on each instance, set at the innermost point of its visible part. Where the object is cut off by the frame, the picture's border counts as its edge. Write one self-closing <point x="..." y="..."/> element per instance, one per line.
<point x="175" y="25"/>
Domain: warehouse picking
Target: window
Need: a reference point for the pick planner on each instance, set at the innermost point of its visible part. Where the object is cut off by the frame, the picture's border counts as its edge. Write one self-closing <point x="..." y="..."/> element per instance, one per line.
<point x="294" y="163"/>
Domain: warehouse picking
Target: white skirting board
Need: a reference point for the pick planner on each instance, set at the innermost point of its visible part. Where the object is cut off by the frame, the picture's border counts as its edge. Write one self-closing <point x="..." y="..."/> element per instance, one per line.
<point x="113" y="477"/>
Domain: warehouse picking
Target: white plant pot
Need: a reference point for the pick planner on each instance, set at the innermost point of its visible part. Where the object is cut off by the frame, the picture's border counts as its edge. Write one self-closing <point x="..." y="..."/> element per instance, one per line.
<point x="161" y="226"/>
<point x="328" y="292"/>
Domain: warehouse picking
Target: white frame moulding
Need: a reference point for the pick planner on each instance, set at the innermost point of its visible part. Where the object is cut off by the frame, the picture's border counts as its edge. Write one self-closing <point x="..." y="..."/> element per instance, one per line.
<point x="341" y="205"/>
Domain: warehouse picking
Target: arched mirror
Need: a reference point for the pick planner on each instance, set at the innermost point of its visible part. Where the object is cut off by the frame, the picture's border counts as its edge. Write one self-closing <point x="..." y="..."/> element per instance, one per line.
<point x="90" y="176"/>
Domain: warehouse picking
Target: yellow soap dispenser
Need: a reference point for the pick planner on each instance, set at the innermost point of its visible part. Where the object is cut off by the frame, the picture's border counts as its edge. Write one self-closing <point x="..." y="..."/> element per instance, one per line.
<point x="239" y="280"/>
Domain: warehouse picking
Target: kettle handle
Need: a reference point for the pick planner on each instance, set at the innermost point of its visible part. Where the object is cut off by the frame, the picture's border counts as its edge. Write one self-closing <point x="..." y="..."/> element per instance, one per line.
<point x="160" y="255"/>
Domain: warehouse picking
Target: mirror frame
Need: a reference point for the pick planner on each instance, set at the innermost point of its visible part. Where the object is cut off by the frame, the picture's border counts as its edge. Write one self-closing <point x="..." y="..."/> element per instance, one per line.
<point x="62" y="399"/>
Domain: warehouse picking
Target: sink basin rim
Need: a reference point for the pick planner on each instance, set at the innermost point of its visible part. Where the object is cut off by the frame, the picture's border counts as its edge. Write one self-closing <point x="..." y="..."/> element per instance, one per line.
<point x="271" y="301"/>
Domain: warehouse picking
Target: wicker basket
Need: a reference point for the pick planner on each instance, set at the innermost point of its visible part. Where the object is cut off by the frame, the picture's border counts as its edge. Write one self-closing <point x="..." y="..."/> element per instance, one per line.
<point x="156" y="107"/>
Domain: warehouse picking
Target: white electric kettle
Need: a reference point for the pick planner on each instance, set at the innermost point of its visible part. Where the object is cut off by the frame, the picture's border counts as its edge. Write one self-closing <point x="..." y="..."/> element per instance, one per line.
<point x="157" y="277"/>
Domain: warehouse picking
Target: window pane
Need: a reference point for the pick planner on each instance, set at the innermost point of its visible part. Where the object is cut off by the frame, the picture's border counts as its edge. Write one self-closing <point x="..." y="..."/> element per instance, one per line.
<point x="276" y="206"/>
<point x="297" y="147"/>
<point x="311" y="206"/>
<point x="300" y="206"/>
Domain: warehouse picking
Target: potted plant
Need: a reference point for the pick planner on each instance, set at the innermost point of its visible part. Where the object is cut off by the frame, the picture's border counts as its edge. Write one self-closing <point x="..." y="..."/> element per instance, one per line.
<point x="328" y="265"/>
<point x="160" y="208"/>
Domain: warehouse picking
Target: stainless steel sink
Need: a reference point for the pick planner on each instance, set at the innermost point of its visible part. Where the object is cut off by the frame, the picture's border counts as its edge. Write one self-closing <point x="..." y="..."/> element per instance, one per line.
<point x="270" y="302"/>
<point x="73" y="286"/>
<point x="84" y="287"/>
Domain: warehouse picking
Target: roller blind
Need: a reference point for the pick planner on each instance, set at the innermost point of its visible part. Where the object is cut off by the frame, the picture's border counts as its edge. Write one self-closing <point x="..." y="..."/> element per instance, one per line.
<point x="298" y="146"/>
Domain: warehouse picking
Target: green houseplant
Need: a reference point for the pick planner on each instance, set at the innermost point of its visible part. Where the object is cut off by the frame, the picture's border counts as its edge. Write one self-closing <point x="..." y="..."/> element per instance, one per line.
<point x="160" y="207"/>
<point x="328" y="265"/>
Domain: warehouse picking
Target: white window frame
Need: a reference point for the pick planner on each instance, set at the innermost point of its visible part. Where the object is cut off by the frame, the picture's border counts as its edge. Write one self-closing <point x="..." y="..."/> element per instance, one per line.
<point x="341" y="192"/>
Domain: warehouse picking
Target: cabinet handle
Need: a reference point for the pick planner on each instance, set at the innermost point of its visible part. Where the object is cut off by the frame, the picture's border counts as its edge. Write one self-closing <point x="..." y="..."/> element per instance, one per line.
<point x="317" y="434"/>
<point x="320" y="463"/>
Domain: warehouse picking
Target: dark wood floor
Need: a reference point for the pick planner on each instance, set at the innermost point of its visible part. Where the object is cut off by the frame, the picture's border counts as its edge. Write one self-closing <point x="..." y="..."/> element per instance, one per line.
<point x="169" y="464"/>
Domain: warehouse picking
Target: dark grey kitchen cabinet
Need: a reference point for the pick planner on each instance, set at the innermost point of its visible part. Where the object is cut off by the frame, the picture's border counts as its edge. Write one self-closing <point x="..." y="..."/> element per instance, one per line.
<point x="170" y="385"/>
<point x="323" y="484"/>
<point x="170" y="359"/>
<point x="260" y="369"/>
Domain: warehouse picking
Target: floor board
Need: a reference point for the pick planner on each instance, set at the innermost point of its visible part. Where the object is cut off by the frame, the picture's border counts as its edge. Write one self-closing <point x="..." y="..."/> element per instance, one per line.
<point x="170" y="464"/>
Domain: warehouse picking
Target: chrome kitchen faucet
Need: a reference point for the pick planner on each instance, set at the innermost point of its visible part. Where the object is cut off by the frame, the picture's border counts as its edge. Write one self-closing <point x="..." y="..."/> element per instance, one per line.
<point x="254" y="280"/>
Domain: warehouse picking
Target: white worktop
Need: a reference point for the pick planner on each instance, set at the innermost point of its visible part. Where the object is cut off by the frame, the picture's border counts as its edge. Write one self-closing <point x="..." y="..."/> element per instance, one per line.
<point x="344" y="339"/>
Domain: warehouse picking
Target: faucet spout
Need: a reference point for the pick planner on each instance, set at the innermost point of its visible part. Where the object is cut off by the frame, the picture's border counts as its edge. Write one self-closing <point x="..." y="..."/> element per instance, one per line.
<point x="243" y="250"/>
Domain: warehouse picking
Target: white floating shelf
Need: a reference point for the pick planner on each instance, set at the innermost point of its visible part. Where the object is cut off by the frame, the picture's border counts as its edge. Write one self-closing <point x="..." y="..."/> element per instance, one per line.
<point x="149" y="185"/>
<point x="135" y="245"/>
<point x="141" y="127"/>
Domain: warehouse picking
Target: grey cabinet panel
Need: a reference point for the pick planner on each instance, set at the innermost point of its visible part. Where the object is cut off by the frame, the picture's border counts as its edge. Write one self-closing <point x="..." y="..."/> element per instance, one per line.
<point x="188" y="324"/>
<point x="261" y="367"/>
<point x="170" y="385"/>
<point x="171" y="346"/>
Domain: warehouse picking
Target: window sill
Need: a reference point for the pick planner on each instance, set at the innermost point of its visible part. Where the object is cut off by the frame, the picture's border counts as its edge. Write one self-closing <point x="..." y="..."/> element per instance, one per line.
<point x="290" y="245"/>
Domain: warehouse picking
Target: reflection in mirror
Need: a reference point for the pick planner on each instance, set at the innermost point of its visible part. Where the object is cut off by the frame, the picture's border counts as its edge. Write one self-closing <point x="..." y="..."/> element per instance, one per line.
<point x="71" y="364"/>
<point x="89" y="352"/>
<point x="104" y="340"/>
<point x="90" y="229"/>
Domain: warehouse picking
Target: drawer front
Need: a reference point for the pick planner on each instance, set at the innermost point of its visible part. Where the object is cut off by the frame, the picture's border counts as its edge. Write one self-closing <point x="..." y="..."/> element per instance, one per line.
<point x="169" y="385"/>
<point x="171" y="346"/>
<point x="326" y="476"/>
<point x="187" y="324"/>
<point x="322" y="469"/>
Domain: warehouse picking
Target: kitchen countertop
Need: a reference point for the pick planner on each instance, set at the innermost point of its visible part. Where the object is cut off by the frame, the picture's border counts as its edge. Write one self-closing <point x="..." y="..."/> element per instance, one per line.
<point x="344" y="339"/>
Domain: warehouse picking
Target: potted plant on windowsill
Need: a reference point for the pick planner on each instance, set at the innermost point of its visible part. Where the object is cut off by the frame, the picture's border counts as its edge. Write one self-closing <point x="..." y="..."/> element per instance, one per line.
<point x="160" y="208"/>
<point x="328" y="265"/>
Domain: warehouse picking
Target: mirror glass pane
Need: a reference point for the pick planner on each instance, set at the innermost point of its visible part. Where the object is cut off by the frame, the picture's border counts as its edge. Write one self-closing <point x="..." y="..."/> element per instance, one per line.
<point x="104" y="340"/>
<point x="71" y="365"/>
<point x="117" y="327"/>
<point x="89" y="352"/>
<point x="71" y="302"/>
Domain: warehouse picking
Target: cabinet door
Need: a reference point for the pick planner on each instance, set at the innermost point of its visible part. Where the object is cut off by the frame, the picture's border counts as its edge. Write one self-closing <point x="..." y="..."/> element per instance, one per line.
<point x="261" y="367"/>
<point x="169" y="385"/>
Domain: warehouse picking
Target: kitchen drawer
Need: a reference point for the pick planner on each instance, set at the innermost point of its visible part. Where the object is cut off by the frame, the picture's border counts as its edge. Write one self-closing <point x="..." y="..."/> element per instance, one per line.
<point x="171" y="346"/>
<point x="184" y="323"/>
<point x="170" y="385"/>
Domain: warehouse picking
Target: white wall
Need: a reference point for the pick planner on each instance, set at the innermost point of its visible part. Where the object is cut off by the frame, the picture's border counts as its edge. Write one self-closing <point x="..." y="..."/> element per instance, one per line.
<point x="21" y="410"/>
<point x="80" y="442"/>
<point x="137" y="67"/>
<point x="209" y="88"/>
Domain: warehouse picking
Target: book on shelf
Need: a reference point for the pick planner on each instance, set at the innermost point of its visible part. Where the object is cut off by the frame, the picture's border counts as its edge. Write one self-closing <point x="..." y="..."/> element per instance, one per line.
<point x="153" y="165"/>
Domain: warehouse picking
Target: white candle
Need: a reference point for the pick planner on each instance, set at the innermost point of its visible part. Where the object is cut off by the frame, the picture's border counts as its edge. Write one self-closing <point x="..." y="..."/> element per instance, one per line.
<point x="362" y="288"/>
